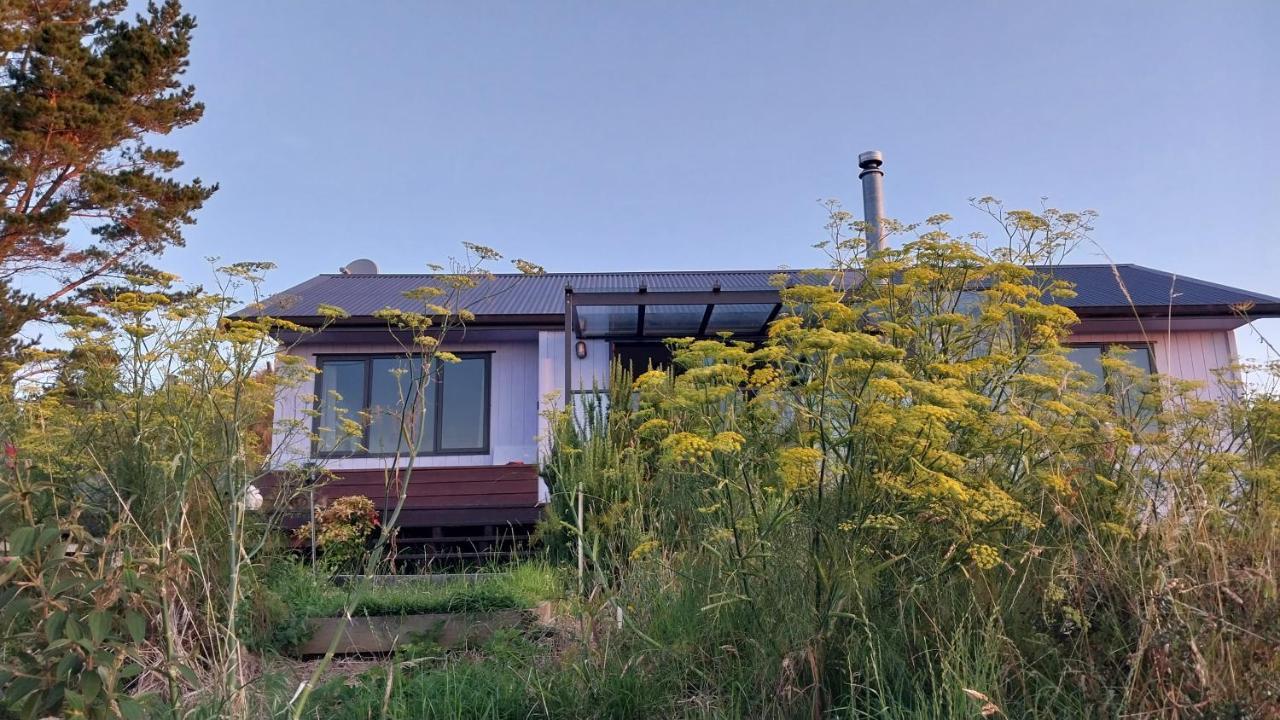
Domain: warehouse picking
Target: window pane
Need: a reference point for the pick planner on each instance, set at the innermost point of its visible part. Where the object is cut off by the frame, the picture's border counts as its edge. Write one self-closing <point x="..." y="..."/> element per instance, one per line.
<point x="969" y="302"/>
<point x="341" y="397"/>
<point x="672" y="320"/>
<point x="739" y="318"/>
<point x="1140" y="357"/>
<point x="1132" y="393"/>
<point x="464" y="420"/>
<point x="1090" y="360"/>
<point x="402" y="417"/>
<point x="606" y="320"/>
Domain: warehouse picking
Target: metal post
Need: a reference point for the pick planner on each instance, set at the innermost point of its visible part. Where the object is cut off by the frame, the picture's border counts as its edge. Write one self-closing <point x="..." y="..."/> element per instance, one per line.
<point x="311" y="508"/>
<point x="568" y="406"/>
<point x="568" y="347"/>
<point x="582" y="559"/>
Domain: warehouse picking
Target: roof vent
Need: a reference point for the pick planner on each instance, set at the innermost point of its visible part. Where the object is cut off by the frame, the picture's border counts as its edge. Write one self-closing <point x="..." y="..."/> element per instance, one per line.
<point x="360" y="266"/>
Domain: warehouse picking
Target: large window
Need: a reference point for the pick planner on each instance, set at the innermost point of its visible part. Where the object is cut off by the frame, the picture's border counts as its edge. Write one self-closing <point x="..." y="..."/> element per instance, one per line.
<point x="1089" y="358"/>
<point x="378" y="405"/>
<point x="1132" y="398"/>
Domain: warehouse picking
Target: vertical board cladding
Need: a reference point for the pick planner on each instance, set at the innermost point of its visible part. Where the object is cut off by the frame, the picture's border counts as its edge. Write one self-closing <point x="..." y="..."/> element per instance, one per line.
<point x="1205" y="356"/>
<point x="513" y="411"/>
<point x="591" y="372"/>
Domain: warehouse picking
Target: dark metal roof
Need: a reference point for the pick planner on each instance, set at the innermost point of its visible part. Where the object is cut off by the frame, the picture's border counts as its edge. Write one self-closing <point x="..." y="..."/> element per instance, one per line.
<point x="1123" y="286"/>
<point x="1102" y="290"/>
<point x="505" y="294"/>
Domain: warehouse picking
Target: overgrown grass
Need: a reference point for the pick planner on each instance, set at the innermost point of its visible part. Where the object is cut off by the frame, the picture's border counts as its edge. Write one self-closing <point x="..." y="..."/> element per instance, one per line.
<point x="310" y="595"/>
<point x="513" y="675"/>
<point x="295" y="593"/>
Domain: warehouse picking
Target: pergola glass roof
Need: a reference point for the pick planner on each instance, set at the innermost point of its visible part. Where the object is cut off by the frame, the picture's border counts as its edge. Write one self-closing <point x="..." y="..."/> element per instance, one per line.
<point x="640" y="314"/>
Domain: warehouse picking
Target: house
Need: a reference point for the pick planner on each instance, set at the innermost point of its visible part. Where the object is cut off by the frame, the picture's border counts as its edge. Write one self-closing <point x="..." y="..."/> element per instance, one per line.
<point x="476" y="472"/>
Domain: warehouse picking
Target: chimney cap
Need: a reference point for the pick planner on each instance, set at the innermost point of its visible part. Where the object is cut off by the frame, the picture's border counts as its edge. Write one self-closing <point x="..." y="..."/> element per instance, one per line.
<point x="870" y="160"/>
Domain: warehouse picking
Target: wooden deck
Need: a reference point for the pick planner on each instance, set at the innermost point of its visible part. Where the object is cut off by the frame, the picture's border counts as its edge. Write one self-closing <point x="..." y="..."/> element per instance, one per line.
<point x="459" y="513"/>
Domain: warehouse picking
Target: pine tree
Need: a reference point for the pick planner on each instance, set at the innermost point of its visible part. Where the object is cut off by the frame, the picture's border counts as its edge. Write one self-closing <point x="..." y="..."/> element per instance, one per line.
<point x="83" y="92"/>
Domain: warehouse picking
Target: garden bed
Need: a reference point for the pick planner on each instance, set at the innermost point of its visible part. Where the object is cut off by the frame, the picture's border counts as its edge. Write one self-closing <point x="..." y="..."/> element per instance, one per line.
<point x="378" y="634"/>
<point x="372" y="615"/>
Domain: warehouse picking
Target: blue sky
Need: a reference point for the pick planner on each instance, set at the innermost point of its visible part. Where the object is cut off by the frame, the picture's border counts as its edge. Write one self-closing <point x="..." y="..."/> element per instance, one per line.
<point x="657" y="135"/>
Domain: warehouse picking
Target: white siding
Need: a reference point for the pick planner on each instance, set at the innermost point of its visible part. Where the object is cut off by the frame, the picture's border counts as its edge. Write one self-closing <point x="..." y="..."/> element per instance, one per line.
<point x="1187" y="354"/>
<point x="513" y="411"/>
<point x="528" y="380"/>
<point x="591" y="372"/>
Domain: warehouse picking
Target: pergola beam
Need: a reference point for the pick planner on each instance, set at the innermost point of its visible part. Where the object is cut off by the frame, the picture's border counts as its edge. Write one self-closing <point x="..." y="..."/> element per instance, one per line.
<point x="773" y="315"/>
<point x="643" y="299"/>
<point x="678" y="297"/>
<point x="706" y="320"/>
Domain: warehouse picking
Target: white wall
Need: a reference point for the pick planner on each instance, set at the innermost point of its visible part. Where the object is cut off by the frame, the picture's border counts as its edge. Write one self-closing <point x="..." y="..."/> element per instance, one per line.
<point x="1186" y="354"/>
<point x="513" y="413"/>
<point x="591" y="372"/>
<point x="528" y="380"/>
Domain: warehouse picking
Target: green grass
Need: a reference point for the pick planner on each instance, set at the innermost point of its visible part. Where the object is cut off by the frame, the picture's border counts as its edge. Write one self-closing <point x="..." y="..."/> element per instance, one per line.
<point x="308" y="595"/>
<point x="293" y="594"/>
<point x="510" y="676"/>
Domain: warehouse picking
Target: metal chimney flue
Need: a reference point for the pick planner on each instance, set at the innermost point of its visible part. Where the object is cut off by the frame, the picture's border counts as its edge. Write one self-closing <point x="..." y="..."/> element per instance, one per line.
<point x="873" y="199"/>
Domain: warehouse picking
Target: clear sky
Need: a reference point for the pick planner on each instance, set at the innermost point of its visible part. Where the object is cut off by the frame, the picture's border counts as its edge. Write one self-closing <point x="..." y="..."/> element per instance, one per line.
<point x="700" y="135"/>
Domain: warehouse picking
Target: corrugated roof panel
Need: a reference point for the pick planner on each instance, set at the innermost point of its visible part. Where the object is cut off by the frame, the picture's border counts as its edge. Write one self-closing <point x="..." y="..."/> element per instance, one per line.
<point x="1097" y="286"/>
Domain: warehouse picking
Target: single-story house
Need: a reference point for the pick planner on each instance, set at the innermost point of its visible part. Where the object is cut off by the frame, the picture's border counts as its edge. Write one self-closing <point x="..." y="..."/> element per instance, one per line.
<point x="477" y="468"/>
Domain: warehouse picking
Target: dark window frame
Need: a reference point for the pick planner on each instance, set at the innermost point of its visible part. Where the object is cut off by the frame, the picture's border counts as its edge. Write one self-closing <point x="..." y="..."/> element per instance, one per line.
<point x="437" y="387"/>
<point x="1145" y="346"/>
<point x="1132" y="345"/>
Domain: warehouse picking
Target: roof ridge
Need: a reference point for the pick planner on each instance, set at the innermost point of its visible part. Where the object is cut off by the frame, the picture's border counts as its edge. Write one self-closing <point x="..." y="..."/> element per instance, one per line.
<point x="757" y="271"/>
<point x="587" y="272"/>
<point x="1083" y="265"/>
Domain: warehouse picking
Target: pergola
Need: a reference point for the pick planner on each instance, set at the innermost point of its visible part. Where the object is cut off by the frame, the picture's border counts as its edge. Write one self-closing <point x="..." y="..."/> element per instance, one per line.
<point x="642" y="315"/>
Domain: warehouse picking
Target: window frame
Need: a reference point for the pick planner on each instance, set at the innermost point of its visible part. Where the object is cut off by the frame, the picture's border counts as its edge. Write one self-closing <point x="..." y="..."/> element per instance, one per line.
<point x="437" y="388"/>
<point x="1133" y="346"/>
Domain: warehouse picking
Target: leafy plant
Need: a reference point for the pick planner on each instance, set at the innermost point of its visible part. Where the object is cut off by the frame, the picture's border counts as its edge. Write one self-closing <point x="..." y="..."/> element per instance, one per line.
<point x="140" y="446"/>
<point x="342" y="529"/>
<point x="907" y="502"/>
<point x="75" y="610"/>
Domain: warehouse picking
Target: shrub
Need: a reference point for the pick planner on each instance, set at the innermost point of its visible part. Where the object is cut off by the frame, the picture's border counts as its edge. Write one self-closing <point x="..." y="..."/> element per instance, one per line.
<point x="342" y="529"/>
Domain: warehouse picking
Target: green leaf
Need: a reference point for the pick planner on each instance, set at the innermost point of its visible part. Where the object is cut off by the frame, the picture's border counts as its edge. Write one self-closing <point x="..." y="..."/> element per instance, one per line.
<point x="48" y="535"/>
<point x="21" y="688"/>
<point x="131" y="709"/>
<point x="90" y="685"/>
<point x="21" y="540"/>
<point x="54" y="624"/>
<point x="65" y="584"/>
<point x="75" y="701"/>
<point x="69" y="664"/>
<point x="14" y="608"/>
<point x="136" y="624"/>
<point x="8" y="570"/>
<point x="73" y="631"/>
<point x="99" y="625"/>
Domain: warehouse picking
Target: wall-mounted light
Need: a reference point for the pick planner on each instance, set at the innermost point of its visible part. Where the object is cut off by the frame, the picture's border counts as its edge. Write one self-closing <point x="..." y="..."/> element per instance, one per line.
<point x="581" y="349"/>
